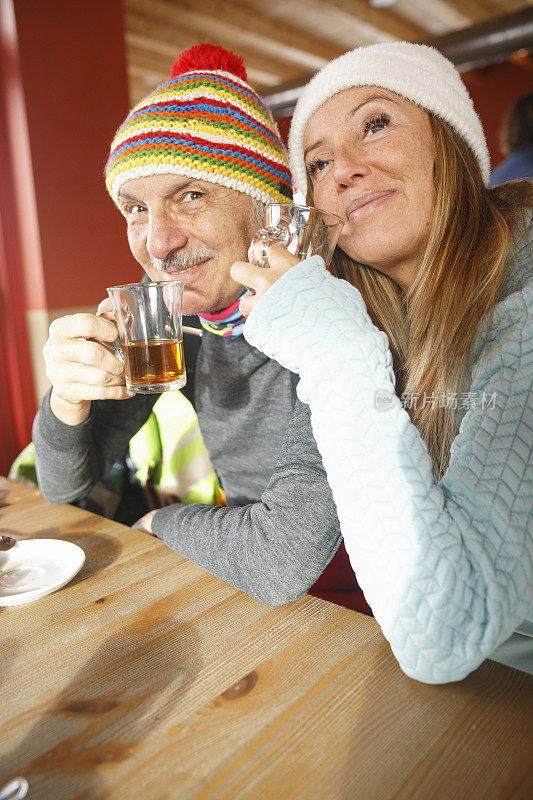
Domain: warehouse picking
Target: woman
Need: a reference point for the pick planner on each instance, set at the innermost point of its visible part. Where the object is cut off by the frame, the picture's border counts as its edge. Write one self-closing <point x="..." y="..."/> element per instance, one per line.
<point x="420" y="379"/>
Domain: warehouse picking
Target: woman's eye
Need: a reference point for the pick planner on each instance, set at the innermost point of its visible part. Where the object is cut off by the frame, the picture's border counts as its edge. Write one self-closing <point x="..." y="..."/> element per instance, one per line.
<point x="316" y="166"/>
<point x="376" y="124"/>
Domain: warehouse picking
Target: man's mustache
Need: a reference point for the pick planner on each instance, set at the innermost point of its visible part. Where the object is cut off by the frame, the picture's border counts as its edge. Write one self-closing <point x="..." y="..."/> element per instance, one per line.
<point x="176" y="261"/>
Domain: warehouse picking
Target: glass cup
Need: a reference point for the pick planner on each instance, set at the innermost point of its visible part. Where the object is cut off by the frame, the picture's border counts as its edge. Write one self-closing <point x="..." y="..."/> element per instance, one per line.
<point x="305" y="231"/>
<point x="148" y="317"/>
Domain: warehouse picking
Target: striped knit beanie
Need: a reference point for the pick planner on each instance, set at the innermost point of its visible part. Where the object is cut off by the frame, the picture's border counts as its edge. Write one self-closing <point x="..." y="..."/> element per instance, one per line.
<point x="206" y="122"/>
<point x="417" y="72"/>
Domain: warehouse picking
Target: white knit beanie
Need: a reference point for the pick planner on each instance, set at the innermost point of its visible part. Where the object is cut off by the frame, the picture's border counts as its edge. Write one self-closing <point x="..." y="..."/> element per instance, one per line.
<point x="419" y="73"/>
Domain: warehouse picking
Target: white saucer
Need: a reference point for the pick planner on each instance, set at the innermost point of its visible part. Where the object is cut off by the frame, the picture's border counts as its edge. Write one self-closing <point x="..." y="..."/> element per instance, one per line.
<point x="36" y="567"/>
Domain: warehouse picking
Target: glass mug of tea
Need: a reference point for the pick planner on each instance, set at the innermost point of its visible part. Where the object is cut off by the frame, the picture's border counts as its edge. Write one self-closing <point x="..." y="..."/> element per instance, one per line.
<point x="148" y="317"/>
<point x="305" y="231"/>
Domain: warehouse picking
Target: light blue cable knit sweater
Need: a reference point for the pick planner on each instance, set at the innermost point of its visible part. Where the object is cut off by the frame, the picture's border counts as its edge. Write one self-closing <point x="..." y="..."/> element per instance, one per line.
<point x="447" y="567"/>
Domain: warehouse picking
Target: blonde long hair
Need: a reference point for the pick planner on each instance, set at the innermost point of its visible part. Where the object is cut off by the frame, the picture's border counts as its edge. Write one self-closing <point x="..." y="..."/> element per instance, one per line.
<point x="432" y="327"/>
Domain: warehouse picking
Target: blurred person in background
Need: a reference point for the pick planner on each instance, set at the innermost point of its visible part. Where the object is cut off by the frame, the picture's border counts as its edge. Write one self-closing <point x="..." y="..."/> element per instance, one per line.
<point x="516" y="143"/>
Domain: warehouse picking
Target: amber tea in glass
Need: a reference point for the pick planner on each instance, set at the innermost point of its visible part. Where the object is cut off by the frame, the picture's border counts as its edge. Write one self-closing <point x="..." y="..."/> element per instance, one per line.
<point x="155" y="361"/>
<point x="149" y="322"/>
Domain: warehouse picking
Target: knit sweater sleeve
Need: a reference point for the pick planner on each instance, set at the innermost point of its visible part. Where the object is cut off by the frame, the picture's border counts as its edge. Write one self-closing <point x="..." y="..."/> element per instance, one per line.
<point x="71" y="459"/>
<point x="275" y="549"/>
<point x="446" y="567"/>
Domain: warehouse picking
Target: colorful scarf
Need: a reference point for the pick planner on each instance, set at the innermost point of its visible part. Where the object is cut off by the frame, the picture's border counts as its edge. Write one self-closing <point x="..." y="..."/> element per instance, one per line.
<point x="228" y="322"/>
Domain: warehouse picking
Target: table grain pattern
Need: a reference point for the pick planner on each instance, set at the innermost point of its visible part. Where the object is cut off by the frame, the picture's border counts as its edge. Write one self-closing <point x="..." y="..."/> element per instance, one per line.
<point x="147" y="677"/>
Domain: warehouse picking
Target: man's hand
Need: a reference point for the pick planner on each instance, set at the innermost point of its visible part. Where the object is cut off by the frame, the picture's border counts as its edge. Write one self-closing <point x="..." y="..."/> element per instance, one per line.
<point x="144" y="524"/>
<point x="81" y="369"/>
<point x="259" y="279"/>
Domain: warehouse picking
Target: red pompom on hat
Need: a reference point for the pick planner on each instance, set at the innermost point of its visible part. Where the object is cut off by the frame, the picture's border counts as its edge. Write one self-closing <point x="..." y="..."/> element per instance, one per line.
<point x="209" y="57"/>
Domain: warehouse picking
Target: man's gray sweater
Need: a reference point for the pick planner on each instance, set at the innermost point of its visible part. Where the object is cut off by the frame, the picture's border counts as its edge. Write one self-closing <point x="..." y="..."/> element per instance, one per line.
<point x="281" y="529"/>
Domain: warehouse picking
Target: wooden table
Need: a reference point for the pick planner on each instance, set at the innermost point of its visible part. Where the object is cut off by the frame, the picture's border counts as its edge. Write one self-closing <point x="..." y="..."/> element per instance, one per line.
<point x="146" y="677"/>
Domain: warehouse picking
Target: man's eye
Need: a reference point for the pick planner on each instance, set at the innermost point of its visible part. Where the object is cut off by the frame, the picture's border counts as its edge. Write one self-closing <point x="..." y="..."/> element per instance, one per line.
<point x="132" y="209"/>
<point x="316" y="166"/>
<point x="376" y="123"/>
<point x="190" y="197"/>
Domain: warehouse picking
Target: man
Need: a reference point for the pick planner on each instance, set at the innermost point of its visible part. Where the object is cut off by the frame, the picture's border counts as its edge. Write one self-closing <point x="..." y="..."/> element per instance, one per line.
<point x="190" y="170"/>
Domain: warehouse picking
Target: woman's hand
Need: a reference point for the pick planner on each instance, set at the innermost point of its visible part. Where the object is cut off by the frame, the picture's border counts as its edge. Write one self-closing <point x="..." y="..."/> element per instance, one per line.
<point x="260" y="279"/>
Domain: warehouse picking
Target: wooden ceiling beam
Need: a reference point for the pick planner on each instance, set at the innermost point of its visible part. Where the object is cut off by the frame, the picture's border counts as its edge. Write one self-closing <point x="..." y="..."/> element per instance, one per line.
<point x="239" y="24"/>
<point x="141" y="82"/>
<point x="149" y="62"/>
<point x="442" y="17"/>
<point x="158" y="37"/>
<point x="281" y="48"/>
<point x="146" y="75"/>
<point x="482" y="44"/>
<point x="387" y="20"/>
<point x="438" y="16"/>
<point x="488" y="42"/>
<point x="475" y="10"/>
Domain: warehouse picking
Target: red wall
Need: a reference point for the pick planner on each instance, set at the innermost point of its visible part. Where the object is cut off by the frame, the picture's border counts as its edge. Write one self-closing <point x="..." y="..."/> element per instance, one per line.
<point x="17" y="405"/>
<point x="73" y="67"/>
<point x="63" y="92"/>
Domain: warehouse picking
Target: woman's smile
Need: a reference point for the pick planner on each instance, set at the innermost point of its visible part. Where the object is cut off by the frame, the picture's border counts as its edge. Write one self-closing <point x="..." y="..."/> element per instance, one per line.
<point x="366" y="203"/>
